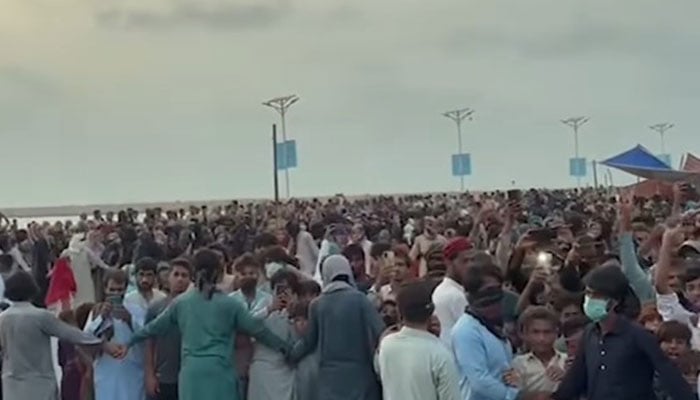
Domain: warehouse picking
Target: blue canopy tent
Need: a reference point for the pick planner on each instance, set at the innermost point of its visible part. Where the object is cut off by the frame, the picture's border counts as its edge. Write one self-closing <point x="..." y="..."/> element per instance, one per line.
<point x="640" y="162"/>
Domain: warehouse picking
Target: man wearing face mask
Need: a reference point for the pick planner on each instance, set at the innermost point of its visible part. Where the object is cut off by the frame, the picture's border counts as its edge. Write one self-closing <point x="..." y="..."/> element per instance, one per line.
<point x="259" y="303"/>
<point x="617" y="358"/>
<point x="481" y="348"/>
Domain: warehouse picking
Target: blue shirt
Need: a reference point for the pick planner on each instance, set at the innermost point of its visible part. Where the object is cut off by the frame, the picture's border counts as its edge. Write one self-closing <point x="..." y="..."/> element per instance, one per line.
<point x="482" y="359"/>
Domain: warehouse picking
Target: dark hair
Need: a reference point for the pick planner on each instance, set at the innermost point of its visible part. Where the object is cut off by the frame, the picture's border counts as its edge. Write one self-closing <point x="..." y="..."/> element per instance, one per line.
<point x="388" y="302"/>
<point x="285" y="275"/>
<point x="299" y="309"/>
<point x="674" y="330"/>
<point x="21" y="286"/>
<point x="477" y="272"/>
<point x="82" y="313"/>
<point x="649" y="313"/>
<point x="565" y="299"/>
<point x="246" y="260"/>
<point x="222" y="250"/>
<point x="610" y="281"/>
<point x="182" y="263"/>
<point x="537" y="313"/>
<point x="146" y="264"/>
<point x="115" y="275"/>
<point x="692" y="271"/>
<point x="402" y="251"/>
<point x="415" y="301"/>
<point x="207" y="267"/>
<point x="278" y="254"/>
<point x="574" y="325"/>
<point x="292" y="229"/>
<point x="354" y="251"/>
<point x="264" y="239"/>
<point x="308" y="287"/>
<point x="378" y="249"/>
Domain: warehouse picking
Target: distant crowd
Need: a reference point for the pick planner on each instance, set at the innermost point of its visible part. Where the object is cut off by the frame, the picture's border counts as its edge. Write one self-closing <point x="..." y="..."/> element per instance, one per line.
<point x="533" y="295"/>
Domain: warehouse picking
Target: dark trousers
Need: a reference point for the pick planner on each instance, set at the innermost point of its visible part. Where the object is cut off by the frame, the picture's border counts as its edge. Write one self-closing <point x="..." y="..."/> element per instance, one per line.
<point x="167" y="391"/>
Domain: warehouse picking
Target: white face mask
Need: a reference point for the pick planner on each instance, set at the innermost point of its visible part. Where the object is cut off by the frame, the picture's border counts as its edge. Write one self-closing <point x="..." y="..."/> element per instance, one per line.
<point x="271" y="269"/>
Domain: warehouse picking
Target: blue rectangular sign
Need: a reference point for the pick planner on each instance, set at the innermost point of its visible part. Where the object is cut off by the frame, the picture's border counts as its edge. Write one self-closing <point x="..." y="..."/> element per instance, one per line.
<point x="666" y="158"/>
<point x="461" y="165"/>
<point x="577" y="167"/>
<point x="287" y="155"/>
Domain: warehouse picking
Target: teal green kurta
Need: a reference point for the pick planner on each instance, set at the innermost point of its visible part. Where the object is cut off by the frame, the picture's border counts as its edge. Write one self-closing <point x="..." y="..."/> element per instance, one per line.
<point x="208" y="371"/>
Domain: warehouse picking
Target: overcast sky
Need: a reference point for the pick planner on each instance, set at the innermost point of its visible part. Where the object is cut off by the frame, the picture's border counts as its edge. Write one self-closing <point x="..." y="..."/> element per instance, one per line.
<point x="116" y="100"/>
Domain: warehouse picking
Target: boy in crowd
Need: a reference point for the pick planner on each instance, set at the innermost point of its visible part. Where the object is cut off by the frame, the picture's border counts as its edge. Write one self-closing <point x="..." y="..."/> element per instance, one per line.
<point x="674" y="339"/>
<point x="162" y="361"/>
<point x="571" y="331"/>
<point x="541" y="369"/>
<point x="308" y="290"/>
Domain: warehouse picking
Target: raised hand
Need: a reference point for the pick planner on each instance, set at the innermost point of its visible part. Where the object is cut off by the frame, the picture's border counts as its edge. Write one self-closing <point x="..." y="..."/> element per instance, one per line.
<point x="674" y="237"/>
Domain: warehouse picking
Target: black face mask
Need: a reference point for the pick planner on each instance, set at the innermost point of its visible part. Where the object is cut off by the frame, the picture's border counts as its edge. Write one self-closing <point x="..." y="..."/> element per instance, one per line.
<point x="389" y="320"/>
<point x="248" y="284"/>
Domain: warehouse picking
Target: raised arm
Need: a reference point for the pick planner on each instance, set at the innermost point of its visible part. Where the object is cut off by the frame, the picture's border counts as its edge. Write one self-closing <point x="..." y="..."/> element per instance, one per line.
<point x="251" y="326"/>
<point x="164" y="323"/>
<point x="628" y="255"/>
<point x="672" y="238"/>
<point x="54" y="327"/>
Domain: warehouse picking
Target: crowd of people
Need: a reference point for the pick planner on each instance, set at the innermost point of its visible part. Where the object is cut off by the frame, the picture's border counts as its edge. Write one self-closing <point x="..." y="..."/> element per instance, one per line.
<point x="528" y="295"/>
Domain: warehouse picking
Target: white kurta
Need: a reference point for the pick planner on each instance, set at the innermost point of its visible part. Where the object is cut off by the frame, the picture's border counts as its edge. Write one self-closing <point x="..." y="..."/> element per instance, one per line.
<point x="271" y="377"/>
<point x="119" y="379"/>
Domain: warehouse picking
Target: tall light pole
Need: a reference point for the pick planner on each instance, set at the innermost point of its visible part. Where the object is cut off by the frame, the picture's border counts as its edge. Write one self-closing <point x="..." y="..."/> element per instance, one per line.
<point x="458" y="116"/>
<point x="661" y="130"/>
<point x="281" y="105"/>
<point x="575" y="123"/>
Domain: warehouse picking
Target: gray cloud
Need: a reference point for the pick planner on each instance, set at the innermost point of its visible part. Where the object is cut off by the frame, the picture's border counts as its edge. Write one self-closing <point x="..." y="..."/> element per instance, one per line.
<point x="581" y="38"/>
<point x="192" y="13"/>
<point x="16" y="80"/>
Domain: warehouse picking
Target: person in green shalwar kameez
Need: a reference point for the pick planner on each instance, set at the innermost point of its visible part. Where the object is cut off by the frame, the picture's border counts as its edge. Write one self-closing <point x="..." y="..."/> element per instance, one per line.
<point x="208" y="320"/>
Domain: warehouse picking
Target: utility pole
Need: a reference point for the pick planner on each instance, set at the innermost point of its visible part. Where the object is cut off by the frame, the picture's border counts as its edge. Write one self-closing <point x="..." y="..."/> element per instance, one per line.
<point x="661" y="130"/>
<point x="575" y="123"/>
<point x="275" y="176"/>
<point x="281" y="105"/>
<point x="458" y="116"/>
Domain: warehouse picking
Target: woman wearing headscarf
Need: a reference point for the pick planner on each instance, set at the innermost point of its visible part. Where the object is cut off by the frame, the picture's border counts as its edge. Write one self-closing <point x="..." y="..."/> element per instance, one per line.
<point x="207" y="320"/>
<point x="345" y="328"/>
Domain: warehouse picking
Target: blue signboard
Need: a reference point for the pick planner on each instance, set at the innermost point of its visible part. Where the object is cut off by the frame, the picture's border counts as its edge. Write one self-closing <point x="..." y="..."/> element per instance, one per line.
<point x="577" y="167"/>
<point x="461" y="165"/>
<point x="666" y="158"/>
<point x="287" y="155"/>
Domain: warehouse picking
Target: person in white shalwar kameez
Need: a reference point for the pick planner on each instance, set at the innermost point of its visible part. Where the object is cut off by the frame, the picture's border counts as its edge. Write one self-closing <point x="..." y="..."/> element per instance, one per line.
<point x="117" y="379"/>
<point x="271" y="376"/>
<point x="25" y="342"/>
<point x="83" y="260"/>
